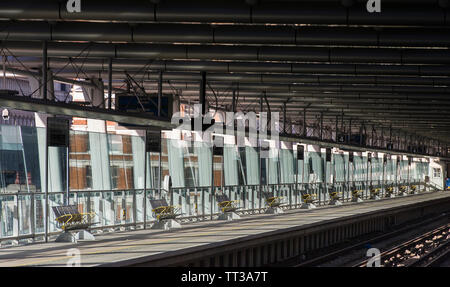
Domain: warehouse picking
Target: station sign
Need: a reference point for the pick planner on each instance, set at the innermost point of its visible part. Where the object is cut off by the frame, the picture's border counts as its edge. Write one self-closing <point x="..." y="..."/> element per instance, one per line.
<point x="152" y="142"/>
<point x="300" y="152"/>
<point x="58" y="132"/>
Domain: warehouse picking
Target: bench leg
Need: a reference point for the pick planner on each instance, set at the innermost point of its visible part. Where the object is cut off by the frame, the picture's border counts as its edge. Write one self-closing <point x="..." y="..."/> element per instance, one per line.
<point x="84" y="235"/>
<point x="229" y="216"/>
<point x="66" y="237"/>
<point x="335" y="202"/>
<point x="307" y="206"/>
<point x="166" y="224"/>
<point x="274" y="210"/>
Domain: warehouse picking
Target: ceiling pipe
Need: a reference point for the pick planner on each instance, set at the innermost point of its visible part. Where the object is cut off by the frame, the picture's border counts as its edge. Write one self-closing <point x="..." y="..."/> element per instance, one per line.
<point x="235" y="53"/>
<point x="272" y="78"/>
<point x="240" y="67"/>
<point x="222" y="34"/>
<point x="234" y="11"/>
<point x="186" y="86"/>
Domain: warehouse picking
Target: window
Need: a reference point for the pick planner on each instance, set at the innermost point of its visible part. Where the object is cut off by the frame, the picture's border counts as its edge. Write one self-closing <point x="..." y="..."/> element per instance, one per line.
<point x="190" y="175"/>
<point x="88" y="177"/>
<point x="436" y="172"/>
<point x="115" y="177"/>
<point x="116" y="146"/>
<point x="241" y="166"/>
<point x="155" y="176"/>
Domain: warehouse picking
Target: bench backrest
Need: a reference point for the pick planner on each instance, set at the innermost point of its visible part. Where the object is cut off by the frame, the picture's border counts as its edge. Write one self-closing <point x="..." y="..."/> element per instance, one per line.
<point x="268" y="194"/>
<point x="222" y="198"/>
<point x="65" y="210"/>
<point x="158" y="203"/>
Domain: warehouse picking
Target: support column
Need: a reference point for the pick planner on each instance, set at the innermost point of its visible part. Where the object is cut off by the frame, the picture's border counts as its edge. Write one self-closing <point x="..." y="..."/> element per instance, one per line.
<point x="160" y="79"/>
<point x="321" y="125"/>
<point x="304" y="122"/>
<point x="233" y="103"/>
<point x="336" y="129"/>
<point x="110" y="83"/>
<point x="203" y="92"/>
<point x="349" y="130"/>
<point x="44" y="70"/>
<point x="284" y="117"/>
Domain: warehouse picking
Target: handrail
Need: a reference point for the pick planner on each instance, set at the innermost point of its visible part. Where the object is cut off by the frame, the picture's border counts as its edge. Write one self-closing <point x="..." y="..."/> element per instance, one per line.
<point x="250" y="196"/>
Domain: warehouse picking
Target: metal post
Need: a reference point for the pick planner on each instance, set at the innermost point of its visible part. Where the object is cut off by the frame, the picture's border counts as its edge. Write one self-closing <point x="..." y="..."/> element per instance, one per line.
<point x="321" y="125"/>
<point x="367" y="174"/>
<point x="397" y="162"/>
<point x="203" y="92"/>
<point x="212" y="184"/>
<point x="46" y="189"/>
<point x="145" y="181"/>
<point x="304" y="122"/>
<point x="67" y="175"/>
<point x="284" y="117"/>
<point x="110" y="84"/>
<point x="4" y="71"/>
<point x="360" y="133"/>
<point x="233" y="103"/>
<point x="349" y="131"/>
<point x="409" y="166"/>
<point x="390" y="136"/>
<point x="159" y="92"/>
<point x="406" y="142"/>
<point x="159" y="166"/>
<point x="382" y="177"/>
<point x="371" y="140"/>
<point x="259" y="151"/>
<point x="336" y="131"/>
<point x="296" y="179"/>
<point x="44" y="70"/>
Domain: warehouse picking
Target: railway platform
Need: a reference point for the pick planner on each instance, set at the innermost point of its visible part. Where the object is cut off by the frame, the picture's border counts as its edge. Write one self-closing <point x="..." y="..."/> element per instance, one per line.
<point x="252" y="241"/>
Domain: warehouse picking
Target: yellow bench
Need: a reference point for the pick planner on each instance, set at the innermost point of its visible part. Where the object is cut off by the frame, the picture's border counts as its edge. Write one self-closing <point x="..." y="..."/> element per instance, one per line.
<point x="335" y="195"/>
<point x="375" y="191"/>
<point x="70" y="218"/>
<point x="309" y="198"/>
<point x="162" y="210"/>
<point x="225" y="204"/>
<point x="357" y="193"/>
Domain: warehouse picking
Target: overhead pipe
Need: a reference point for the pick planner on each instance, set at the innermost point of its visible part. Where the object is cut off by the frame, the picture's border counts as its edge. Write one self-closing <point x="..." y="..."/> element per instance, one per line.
<point x="231" y="11"/>
<point x="279" y="101"/>
<point x="312" y="88"/>
<point x="235" y="53"/>
<point x="222" y="34"/>
<point x="272" y="78"/>
<point x="240" y="67"/>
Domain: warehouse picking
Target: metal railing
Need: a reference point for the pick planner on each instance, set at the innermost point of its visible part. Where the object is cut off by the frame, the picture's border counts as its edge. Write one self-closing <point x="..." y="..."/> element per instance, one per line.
<point x="23" y="214"/>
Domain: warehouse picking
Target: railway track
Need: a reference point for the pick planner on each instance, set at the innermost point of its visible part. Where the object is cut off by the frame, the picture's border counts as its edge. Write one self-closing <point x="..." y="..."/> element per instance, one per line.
<point x="335" y="254"/>
<point x="428" y="249"/>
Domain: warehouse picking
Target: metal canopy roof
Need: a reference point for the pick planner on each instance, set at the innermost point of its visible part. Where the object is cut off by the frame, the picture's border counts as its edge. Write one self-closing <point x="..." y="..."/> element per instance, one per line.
<point x="323" y="57"/>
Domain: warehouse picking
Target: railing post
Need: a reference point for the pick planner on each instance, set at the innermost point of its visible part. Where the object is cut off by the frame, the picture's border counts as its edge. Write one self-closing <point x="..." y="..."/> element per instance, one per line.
<point x="134" y="209"/>
<point x="32" y="215"/>
<point x="17" y="213"/>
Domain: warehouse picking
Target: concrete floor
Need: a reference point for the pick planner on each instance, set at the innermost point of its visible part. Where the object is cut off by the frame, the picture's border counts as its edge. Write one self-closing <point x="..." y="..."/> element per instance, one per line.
<point x="114" y="248"/>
